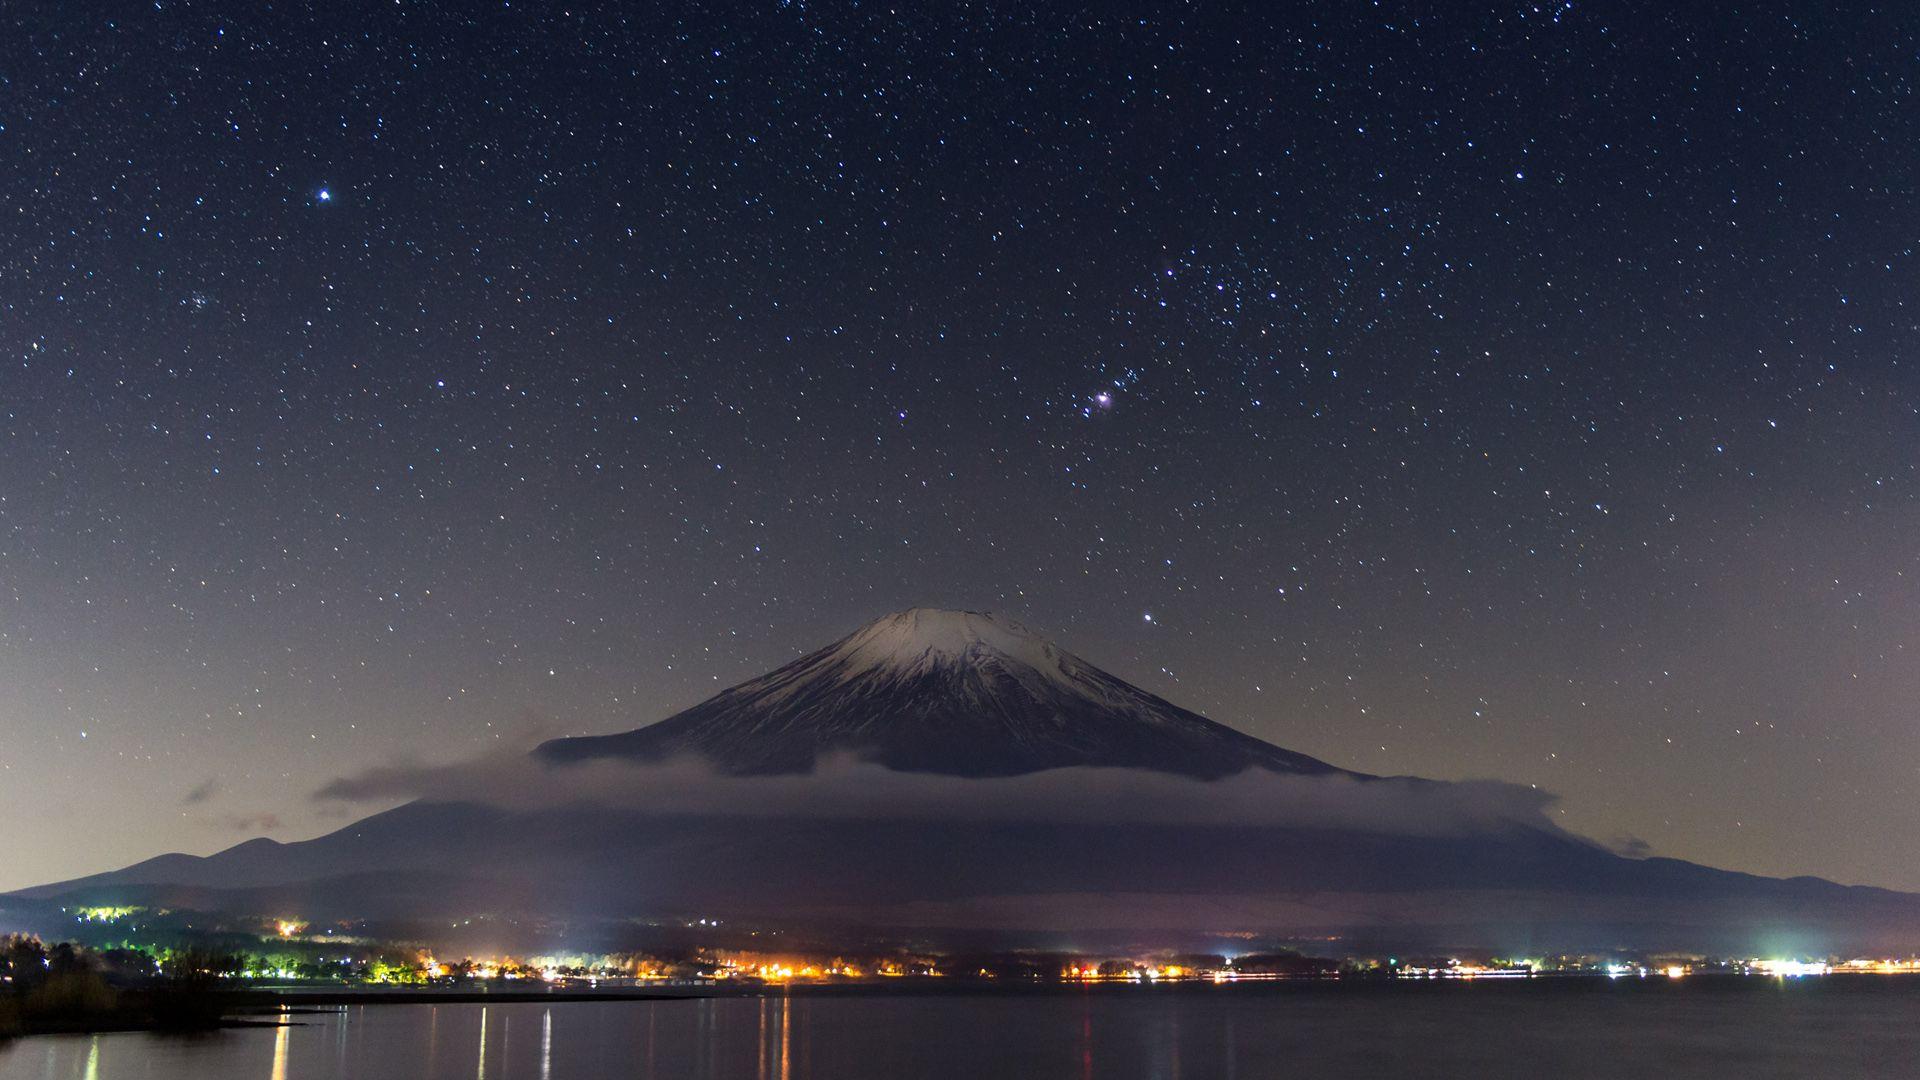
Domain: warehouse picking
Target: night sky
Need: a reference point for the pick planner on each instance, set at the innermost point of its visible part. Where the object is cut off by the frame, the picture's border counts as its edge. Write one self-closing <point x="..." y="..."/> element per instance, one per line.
<point x="1512" y="391"/>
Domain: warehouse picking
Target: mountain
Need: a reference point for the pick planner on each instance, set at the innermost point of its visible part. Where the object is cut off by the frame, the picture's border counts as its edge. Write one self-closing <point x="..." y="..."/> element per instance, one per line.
<point x="941" y="774"/>
<point x="956" y="693"/>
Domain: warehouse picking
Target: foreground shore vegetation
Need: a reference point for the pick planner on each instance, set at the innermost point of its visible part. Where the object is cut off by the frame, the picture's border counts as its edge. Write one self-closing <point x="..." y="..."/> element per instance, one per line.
<point x="60" y="988"/>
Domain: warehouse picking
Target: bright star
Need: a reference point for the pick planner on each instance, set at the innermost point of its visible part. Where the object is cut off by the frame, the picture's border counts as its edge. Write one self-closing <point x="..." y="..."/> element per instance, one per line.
<point x="324" y="195"/>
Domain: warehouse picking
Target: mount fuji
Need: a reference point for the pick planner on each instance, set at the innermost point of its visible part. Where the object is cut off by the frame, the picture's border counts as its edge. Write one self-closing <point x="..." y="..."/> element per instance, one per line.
<point x="957" y="693"/>
<point x="945" y="774"/>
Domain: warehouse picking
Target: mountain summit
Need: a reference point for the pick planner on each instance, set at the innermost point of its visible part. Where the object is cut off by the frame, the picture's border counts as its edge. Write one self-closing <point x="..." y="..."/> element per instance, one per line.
<point x="959" y="693"/>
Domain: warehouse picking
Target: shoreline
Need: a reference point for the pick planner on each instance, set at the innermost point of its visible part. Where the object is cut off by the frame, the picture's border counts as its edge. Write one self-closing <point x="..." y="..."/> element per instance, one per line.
<point x="272" y="999"/>
<point x="277" y="1008"/>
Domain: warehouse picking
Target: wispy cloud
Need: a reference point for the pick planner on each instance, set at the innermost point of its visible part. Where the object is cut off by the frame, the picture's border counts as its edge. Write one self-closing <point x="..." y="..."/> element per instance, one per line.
<point x="201" y="792"/>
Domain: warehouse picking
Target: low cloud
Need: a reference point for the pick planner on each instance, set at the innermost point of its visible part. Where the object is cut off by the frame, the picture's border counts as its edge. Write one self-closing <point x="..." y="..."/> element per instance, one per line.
<point x="844" y="788"/>
<point x="252" y="823"/>
<point x="203" y="791"/>
<point x="1631" y="847"/>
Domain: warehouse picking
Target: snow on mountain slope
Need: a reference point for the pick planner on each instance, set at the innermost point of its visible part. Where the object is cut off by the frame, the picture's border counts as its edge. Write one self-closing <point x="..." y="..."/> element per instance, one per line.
<point x="954" y="692"/>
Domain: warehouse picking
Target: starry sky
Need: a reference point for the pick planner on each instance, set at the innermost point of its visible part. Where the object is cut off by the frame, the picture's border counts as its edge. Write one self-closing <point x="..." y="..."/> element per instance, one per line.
<point x="1500" y="390"/>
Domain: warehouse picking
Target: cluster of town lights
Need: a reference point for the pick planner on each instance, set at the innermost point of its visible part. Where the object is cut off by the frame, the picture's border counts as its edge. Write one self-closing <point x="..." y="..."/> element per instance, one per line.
<point x="377" y="964"/>
<point x="1772" y="968"/>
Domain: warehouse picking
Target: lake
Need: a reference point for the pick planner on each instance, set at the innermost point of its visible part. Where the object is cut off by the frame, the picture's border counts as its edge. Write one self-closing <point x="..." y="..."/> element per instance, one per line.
<point x="1695" y="1027"/>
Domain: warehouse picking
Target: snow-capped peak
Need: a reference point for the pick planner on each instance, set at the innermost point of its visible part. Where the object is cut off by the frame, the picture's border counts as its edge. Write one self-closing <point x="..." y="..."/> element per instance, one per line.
<point x="920" y="638"/>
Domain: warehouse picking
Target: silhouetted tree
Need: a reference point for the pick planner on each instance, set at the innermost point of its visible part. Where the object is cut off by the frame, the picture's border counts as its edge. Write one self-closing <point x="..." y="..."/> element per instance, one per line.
<point x="63" y="960"/>
<point x="188" y="996"/>
<point x="23" y="960"/>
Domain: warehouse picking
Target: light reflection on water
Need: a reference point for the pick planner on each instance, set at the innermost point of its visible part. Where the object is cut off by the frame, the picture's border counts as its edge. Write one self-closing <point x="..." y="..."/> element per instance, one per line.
<point x="1753" y="1027"/>
<point x="546" y="1044"/>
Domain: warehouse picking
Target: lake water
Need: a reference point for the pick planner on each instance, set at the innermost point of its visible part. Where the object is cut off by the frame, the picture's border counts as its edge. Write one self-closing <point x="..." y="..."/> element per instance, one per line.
<point x="1695" y="1027"/>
